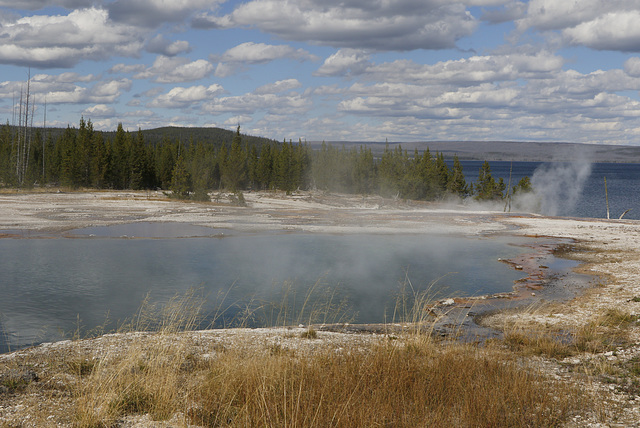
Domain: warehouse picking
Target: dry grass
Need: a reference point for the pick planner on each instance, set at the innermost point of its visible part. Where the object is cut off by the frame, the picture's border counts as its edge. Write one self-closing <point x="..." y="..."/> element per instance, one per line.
<point x="321" y="303"/>
<point x="406" y="383"/>
<point x="409" y="381"/>
<point x="608" y="331"/>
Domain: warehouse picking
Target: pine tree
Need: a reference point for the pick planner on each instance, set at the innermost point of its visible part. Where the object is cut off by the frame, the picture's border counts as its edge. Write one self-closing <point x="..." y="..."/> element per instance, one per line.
<point x="234" y="171"/>
<point x="7" y="173"/>
<point x="442" y="173"/>
<point x="70" y="166"/>
<point x="166" y="156"/>
<point x="391" y="171"/>
<point x="84" y="151"/>
<point x="523" y="186"/>
<point x="283" y="168"/>
<point x="119" y="173"/>
<point x="486" y="186"/>
<point x="181" y="184"/>
<point x="100" y="161"/>
<point x="264" y="171"/>
<point x="321" y="167"/>
<point x="364" y="172"/>
<point x="457" y="185"/>
<point x="140" y="175"/>
<point x="252" y="167"/>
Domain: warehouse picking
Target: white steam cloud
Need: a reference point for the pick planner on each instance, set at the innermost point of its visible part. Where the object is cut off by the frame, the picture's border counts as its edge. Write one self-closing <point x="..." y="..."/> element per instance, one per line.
<point x="557" y="187"/>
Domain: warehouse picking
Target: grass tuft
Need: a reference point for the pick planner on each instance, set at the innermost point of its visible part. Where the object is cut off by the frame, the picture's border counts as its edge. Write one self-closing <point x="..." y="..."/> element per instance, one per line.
<point x="309" y="333"/>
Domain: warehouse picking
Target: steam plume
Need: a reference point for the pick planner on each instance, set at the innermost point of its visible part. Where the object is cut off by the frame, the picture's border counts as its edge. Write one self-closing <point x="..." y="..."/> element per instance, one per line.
<point x="557" y="186"/>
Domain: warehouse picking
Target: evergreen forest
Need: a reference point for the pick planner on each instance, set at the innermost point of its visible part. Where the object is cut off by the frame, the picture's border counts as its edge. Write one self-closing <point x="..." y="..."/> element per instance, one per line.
<point x="215" y="159"/>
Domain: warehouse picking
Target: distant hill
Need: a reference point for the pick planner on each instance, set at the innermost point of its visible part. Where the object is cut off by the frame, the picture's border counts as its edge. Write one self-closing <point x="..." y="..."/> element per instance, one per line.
<point x="216" y="136"/>
<point x="511" y="150"/>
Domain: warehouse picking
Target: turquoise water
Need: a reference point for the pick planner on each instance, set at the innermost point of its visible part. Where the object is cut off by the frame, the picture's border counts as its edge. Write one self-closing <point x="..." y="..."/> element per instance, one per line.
<point x="50" y="286"/>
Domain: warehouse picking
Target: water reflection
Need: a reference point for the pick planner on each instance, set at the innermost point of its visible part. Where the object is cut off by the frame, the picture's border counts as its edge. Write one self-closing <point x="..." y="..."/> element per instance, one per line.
<point x="49" y="284"/>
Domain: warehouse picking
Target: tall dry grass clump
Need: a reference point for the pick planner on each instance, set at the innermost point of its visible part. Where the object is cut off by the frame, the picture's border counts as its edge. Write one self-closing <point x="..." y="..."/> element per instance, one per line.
<point x="148" y="375"/>
<point x="404" y="381"/>
<point x="401" y="384"/>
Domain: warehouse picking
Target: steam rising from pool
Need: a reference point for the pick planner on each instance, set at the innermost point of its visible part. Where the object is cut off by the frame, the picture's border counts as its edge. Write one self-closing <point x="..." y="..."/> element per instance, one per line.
<point x="48" y="283"/>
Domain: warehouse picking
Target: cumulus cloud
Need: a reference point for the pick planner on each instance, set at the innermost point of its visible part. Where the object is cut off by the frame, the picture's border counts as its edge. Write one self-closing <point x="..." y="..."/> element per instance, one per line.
<point x="153" y="13"/>
<point x="612" y="31"/>
<point x="258" y="53"/>
<point x="99" y="110"/>
<point x="237" y="57"/>
<point x="106" y="92"/>
<point x="180" y="97"/>
<point x="140" y="113"/>
<point x="250" y="103"/>
<point x="546" y="15"/>
<point x="127" y="68"/>
<point x="67" y="77"/>
<point x="632" y="66"/>
<point x="510" y="11"/>
<point x="597" y="24"/>
<point x="61" y="41"/>
<point x="150" y="92"/>
<point x="345" y="62"/>
<point x="226" y="70"/>
<point x="176" y="70"/>
<point x="66" y="88"/>
<point x="40" y="4"/>
<point x="378" y="25"/>
<point x="160" y="45"/>
<point x="466" y="71"/>
<point x="279" y="86"/>
<point x="238" y="120"/>
<point x="208" y="21"/>
<point x="480" y="97"/>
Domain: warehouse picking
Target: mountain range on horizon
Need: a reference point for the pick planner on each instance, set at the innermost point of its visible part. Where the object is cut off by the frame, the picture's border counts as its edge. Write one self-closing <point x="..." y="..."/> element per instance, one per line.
<point x="511" y="150"/>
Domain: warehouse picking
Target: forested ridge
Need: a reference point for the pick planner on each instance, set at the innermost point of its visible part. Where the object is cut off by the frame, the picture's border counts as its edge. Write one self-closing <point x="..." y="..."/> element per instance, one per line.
<point x="215" y="159"/>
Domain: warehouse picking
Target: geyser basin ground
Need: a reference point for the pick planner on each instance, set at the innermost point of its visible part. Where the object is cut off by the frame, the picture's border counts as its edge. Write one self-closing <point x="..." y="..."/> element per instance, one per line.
<point x="376" y="241"/>
<point x="609" y="250"/>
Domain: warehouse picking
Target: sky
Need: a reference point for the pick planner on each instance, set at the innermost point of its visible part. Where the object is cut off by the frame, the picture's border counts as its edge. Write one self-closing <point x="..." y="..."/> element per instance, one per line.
<point x="350" y="70"/>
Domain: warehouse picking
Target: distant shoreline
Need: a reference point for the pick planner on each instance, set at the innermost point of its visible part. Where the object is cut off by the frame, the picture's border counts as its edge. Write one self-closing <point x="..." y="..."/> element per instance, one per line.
<point x="525" y="151"/>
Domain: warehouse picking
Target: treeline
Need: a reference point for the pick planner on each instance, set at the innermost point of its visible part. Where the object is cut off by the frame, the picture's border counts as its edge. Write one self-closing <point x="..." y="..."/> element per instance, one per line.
<point x="84" y="157"/>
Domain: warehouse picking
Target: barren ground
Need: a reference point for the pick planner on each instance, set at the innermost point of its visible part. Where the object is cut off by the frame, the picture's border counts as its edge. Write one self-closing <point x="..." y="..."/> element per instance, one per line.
<point x="610" y="250"/>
